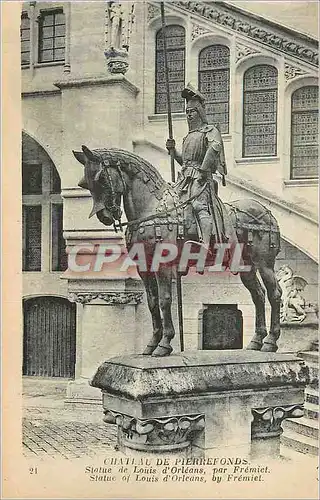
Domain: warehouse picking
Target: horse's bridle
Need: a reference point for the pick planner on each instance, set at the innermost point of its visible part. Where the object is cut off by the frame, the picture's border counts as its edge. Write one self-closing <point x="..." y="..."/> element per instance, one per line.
<point x="116" y="209"/>
<point x="112" y="207"/>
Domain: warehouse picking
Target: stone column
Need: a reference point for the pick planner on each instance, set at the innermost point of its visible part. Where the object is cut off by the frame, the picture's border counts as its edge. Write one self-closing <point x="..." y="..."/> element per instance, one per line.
<point x="111" y="302"/>
<point x="33" y="40"/>
<point x="108" y="328"/>
<point x="67" y="13"/>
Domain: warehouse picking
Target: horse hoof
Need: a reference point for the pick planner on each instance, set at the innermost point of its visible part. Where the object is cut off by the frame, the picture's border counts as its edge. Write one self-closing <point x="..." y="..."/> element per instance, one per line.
<point x="161" y="351"/>
<point x="149" y="350"/>
<point x="254" y="346"/>
<point x="269" y="347"/>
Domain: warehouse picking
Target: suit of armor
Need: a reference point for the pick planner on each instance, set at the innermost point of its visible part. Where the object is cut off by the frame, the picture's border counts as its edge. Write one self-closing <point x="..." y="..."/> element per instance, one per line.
<point x="203" y="156"/>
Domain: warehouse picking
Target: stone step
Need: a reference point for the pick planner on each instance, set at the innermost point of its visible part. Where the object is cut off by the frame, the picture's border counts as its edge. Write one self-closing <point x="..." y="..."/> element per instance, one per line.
<point x="311" y="410"/>
<point x="312" y="391"/>
<point x="291" y="455"/>
<point x="312" y="395"/>
<point x="305" y="426"/>
<point x="300" y="443"/>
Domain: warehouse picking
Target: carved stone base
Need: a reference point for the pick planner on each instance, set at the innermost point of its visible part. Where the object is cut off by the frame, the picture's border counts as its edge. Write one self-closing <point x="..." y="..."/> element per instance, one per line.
<point x="157" y="435"/>
<point x="196" y="403"/>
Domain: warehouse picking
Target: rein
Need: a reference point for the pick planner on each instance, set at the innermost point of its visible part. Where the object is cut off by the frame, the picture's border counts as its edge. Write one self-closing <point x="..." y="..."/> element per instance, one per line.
<point x="162" y="214"/>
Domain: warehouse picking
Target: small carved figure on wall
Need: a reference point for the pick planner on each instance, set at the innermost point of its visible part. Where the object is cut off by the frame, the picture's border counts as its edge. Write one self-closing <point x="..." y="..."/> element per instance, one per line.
<point x="121" y="16"/>
<point x="294" y="306"/>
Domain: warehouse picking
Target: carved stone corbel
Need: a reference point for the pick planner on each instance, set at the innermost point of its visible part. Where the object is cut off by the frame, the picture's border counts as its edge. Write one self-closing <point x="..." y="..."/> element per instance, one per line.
<point x="267" y="421"/>
<point x="198" y="31"/>
<point x="153" y="11"/>
<point x="156" y="434"/>
<point x="266" y="428"/>
<point x="244" y="51"/>
<point x="291" y="71"/>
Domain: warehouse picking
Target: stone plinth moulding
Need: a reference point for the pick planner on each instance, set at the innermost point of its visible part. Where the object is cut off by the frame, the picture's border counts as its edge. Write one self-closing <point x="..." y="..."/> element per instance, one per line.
<point x="110" y="298"/>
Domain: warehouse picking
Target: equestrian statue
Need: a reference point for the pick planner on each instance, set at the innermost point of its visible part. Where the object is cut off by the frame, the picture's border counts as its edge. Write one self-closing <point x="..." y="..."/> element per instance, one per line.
<point x="189" y="211"/>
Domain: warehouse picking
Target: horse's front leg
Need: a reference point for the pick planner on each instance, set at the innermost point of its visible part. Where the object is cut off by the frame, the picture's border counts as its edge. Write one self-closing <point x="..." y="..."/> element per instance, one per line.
<point x="164" y="279"/>
<point x="151" y="287"/>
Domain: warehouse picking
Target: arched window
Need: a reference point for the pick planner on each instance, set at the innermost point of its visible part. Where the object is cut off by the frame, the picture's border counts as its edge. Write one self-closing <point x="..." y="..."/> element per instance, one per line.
<point x="42" y="215"/>
<point x="304" y="133"/>
<point x="214" y="84"/>
<point x="25" y="39"/>
<point x="260" y="99"/>
<point x="175" y="38"/>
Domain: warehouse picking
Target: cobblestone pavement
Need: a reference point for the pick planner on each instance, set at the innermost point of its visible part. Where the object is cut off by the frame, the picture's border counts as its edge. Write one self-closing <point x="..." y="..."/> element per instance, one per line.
<point x="51" y="429"/>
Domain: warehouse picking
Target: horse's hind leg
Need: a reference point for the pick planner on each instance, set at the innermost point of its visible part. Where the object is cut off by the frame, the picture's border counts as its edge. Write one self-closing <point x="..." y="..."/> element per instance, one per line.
<point x="151" y="287"/>
<point x="252" y="283"/>
<point x="164" y="279"/>
<point x="274" y="296"/>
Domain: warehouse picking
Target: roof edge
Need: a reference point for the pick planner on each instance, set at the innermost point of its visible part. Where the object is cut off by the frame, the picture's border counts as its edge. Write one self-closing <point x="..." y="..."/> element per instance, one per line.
<point x="290" y="31"/>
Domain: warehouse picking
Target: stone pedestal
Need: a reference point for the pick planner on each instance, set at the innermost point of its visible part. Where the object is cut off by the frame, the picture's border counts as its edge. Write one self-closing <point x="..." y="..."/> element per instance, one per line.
<point x="202" y="402"/>
<point x="111" y="315"/>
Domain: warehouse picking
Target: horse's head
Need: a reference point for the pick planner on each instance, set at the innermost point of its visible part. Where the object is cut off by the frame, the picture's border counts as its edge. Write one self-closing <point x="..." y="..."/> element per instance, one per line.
<point x="105" y="183"/>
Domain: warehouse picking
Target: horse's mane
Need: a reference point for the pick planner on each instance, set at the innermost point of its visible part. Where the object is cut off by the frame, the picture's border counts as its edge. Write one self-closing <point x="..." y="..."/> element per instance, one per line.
<point x="134" y="165"/>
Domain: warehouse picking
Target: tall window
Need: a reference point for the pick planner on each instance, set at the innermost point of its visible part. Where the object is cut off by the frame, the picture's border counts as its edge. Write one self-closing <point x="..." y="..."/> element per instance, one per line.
<point x="214" y="84"/>
<point x="260" y="98"/>
<point x="304" y="133"/>
<point x="51" y="36"/>
<point x="25" y="39"/>
<point x="175" y="38"/>
<point x="42" y="211"/>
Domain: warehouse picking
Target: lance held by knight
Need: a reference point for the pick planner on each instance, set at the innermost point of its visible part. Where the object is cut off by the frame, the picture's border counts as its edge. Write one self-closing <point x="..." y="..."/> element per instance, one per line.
<point x="202" y="156"/>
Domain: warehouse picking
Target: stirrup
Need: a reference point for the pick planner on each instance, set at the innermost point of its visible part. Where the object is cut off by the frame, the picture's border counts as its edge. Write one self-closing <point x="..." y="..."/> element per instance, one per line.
<point x="200" y="244"/>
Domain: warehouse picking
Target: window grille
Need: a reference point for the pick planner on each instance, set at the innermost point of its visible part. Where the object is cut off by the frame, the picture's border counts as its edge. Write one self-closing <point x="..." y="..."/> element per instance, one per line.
<point x="304" y="133"/>
<point x="25" y="39"/>
<point x="59" y="255"/>
<point x="31" y="227"/>
<point x="31" y="179"/>
<point x="175" y="38"/>
<point x="214" y="84"/>
<point x="41" y="189"/>
<point x="260" y="100"/>
<point x="51" y="36"/>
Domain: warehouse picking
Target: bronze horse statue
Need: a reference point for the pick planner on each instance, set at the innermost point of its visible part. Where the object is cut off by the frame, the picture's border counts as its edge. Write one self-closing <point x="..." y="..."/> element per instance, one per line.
<point x="154" y="214"/>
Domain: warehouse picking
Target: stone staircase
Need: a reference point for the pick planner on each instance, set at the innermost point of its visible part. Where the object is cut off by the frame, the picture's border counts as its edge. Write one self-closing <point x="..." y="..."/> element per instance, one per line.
<point x="302" y="434"/>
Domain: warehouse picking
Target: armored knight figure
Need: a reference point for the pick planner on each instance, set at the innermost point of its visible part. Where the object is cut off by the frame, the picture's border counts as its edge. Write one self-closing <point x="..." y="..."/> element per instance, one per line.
<point x="202" y="157"/>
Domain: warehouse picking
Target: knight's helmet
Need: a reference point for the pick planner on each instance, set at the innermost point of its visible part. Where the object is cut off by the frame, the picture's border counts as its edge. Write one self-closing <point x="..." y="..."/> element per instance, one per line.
<point x="189" y="93"/>
<point x="198" y="100"/>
